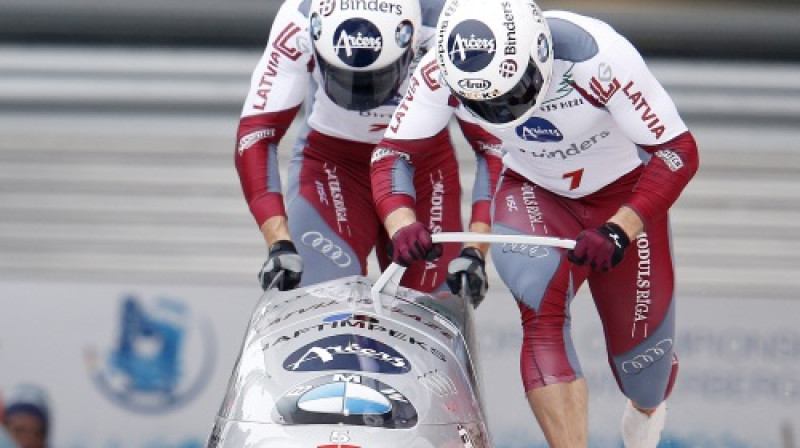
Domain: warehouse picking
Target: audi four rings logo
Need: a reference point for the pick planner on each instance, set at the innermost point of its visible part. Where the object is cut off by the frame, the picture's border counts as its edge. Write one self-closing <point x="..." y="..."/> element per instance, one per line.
<point x="336" y="254"/>
<point x="646" y="359"/>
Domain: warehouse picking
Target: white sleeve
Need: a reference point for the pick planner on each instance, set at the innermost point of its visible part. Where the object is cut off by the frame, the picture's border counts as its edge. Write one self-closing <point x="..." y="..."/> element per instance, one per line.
<point x="636" y="100"/>
<point x="424" y="110"/>
<point x="281" y="78"/>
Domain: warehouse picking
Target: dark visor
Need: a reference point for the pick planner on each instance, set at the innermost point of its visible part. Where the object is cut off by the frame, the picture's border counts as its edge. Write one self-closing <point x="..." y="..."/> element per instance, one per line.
<point x="354" y="90"/>
<point x="510" y="105"/>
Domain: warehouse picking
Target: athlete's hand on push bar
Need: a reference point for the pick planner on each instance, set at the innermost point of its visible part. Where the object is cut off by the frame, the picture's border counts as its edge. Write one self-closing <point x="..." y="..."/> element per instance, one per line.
<point x="413" y="243"/>
<point x="602" y="248"/>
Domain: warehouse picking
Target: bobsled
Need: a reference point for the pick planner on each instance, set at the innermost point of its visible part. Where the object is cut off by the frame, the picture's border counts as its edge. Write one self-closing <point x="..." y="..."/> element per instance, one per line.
<point x="356" y="363"/>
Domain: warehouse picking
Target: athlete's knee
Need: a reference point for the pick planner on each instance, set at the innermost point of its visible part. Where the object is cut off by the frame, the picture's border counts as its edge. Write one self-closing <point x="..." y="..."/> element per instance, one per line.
<point x="547" y="354"/>
<point x="652" y="384"/>
<point x="649" y="402"/>
<point x="532" y="380"/>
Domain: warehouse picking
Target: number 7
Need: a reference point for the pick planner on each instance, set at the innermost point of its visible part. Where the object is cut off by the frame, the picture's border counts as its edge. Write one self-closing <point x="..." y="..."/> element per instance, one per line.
<point x="576" y="176"/>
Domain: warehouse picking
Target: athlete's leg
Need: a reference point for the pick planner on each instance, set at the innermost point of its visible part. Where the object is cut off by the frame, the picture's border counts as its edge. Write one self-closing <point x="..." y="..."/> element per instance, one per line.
<point x="541" y="280"/>
<point x="331" y="216"/>
<point x="562" y="412"/>
<point x="438" y="206"/>
<point x="636" y="305"/>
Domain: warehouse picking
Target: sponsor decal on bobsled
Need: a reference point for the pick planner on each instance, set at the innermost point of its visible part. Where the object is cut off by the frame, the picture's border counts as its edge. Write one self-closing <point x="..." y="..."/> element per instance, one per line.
<point x="347" y="352"/>
<point x="346" y="398"/>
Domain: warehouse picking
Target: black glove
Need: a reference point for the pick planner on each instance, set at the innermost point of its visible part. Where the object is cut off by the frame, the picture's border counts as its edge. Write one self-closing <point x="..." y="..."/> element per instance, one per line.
<point x="469" y="264"/>
<point x="413" y="243"/>
<point x="603" y="247"/>
<point x="283" y="257"/>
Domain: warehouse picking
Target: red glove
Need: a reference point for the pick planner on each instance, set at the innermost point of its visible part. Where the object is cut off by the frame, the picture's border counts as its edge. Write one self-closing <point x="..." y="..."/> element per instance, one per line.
<point x="413" y="243"/>
<point x="603" y="247"/>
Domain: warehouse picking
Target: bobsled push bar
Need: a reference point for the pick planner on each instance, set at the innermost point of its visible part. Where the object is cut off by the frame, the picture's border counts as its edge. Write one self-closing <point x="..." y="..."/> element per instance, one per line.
<point x="389" y="280"/>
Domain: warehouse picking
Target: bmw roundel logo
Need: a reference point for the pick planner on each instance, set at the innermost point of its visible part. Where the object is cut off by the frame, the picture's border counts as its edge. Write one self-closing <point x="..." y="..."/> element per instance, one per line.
<point x="543" y="52"/>
<point x="403" y="34"/>
<point x="357" y="42"/>
<point x="471" y="46"/>
<point x="316" y="26"/>
<point x="346" y="398"/>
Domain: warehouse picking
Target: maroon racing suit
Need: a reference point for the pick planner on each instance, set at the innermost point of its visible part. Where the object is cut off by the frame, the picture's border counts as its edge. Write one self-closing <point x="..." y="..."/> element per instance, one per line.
<point x="332" y="219"/>
<point x="607" y="135"/>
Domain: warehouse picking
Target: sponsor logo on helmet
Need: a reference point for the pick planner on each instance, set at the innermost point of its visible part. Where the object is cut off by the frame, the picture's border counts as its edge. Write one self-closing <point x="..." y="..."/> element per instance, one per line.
<point x="543" y="48"/>
<point x="471" y="46"/>
<point x="316" y="26"/>
<point x="539" y="130"/>
<point x="508" y="68"/>
<point x="474" y="84"/>
<point x="511" y="29"/>
<point x="404" y="33"/>
<point x="371" y="5"/>
<point x="357" y="42"/>
<point x="326" y="7"/>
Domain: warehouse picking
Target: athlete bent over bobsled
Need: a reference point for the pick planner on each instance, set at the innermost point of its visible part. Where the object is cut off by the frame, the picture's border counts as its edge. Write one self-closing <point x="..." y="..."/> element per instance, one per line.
<point x="595" y="150"/>
<point x="347" y="64"/>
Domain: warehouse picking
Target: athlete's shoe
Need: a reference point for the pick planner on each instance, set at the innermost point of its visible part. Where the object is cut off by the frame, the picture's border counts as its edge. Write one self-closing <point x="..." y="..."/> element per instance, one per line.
<point x="640" y="430"/>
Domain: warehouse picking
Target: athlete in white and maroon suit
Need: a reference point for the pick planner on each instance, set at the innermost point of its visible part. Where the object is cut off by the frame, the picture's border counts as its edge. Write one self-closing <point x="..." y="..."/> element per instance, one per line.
<point x="595" y="150"/>
<point x="346" y="62"/>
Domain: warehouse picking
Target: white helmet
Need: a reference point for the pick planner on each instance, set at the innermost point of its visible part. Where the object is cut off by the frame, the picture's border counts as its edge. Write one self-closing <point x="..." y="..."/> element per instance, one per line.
<point x="496" y="57"/>
<point x="364" y="48"/>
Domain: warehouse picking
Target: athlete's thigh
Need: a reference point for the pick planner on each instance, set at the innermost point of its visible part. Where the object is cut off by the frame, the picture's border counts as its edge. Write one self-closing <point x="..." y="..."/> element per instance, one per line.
<point x="540" y="278"/>
<point x="331" y="216"/>
<point x="636" y="304"/>
<point x="438" y="207"/>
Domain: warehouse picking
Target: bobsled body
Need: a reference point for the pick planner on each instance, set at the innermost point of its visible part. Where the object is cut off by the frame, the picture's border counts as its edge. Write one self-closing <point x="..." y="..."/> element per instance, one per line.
<point x="337" y="365"/>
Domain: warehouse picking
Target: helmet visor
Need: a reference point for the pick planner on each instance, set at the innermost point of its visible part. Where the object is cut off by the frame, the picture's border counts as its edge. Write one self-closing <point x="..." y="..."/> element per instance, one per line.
<point x="363" y="90"/>
<point x="511" y="105"/>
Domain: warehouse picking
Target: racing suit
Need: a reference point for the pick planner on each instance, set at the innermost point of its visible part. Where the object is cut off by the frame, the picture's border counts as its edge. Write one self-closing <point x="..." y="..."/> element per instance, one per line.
<point x="606" y="136"/>
<point x="332" y="219"/>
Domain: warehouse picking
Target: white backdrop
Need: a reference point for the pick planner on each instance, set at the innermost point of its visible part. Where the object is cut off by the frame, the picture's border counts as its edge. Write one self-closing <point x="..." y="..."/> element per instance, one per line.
<point x="739" y="381"/>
